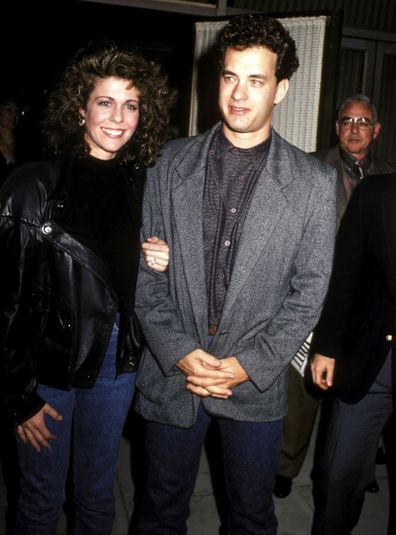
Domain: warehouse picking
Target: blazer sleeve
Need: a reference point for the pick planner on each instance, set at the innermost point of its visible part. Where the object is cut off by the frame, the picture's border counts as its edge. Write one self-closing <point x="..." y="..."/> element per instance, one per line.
<point x="155" y="308"/>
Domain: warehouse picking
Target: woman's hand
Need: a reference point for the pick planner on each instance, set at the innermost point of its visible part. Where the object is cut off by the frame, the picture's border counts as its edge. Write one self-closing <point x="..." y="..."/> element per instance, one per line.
<point x="35" y="432"/>
<point x="156" y="253"/>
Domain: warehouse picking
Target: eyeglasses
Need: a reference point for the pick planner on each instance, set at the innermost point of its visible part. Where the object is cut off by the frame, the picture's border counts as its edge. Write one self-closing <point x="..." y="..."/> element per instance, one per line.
<point x="360" y="122"/>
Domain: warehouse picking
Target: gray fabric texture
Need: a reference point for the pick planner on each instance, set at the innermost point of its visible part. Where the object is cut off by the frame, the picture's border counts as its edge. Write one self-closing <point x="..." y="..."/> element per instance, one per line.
<point x="278" y="284"/>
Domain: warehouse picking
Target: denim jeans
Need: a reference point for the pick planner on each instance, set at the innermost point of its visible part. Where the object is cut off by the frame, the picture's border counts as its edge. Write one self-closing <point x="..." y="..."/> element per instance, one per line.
<point x="93" y="420"/>
<point x="251" y="454"/>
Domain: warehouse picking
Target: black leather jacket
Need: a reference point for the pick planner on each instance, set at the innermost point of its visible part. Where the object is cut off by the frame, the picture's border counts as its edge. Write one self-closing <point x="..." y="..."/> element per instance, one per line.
<point x="57" y="302"/>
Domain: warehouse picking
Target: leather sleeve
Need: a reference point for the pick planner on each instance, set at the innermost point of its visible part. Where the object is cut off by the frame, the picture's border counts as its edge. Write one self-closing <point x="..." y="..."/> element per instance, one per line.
<point x="23" y="300"/>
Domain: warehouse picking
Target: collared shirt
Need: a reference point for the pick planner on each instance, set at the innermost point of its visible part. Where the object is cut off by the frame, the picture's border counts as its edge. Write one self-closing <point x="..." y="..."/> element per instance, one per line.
<point x="231" y="177"/>
<point x="355" y="170"/>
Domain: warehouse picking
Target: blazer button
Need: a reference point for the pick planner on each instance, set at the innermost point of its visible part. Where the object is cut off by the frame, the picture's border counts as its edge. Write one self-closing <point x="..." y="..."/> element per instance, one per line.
<point x="389" y="338"/>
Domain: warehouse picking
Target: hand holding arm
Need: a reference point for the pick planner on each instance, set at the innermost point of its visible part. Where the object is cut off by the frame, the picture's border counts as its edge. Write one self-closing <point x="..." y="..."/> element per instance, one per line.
<point x="156" y="253"/>
<point x="35" y="432"/>
<point x="322" y="369"/>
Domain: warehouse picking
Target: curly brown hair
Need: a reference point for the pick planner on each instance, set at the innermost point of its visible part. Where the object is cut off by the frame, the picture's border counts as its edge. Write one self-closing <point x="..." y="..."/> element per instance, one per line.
<point x="102" y="60"/>
<point x="249" y="30"/>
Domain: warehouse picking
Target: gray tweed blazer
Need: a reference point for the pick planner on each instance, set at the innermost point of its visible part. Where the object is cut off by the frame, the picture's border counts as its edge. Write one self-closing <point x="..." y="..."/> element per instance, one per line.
<point x="278" y="284"/>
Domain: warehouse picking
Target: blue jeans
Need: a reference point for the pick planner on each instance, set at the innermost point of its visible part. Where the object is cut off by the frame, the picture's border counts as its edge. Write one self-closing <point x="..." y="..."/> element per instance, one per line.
<point x="93" y="420"/>
<point x="251" y="454"/>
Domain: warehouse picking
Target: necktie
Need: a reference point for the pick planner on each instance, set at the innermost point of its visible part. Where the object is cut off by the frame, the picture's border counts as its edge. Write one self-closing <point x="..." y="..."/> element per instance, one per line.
<point x="358" y="170"/>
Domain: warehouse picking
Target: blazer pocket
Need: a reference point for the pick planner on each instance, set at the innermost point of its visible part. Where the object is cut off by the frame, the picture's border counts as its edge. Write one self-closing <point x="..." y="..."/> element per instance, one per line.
<point x="152" y="383"/>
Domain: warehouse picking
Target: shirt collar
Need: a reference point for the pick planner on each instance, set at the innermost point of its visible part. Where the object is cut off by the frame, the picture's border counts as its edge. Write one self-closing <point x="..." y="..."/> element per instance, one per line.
<point x="257" y="153"/>
<point x="349" y="161"/>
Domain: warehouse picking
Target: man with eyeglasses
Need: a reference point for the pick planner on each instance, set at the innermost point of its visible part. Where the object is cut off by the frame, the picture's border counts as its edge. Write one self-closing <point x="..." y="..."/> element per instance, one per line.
<point x="357" y="126"/>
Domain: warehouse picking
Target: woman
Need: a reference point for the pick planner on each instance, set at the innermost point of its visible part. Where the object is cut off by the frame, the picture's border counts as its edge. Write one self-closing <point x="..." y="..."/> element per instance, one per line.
<point x="69" y="240"/>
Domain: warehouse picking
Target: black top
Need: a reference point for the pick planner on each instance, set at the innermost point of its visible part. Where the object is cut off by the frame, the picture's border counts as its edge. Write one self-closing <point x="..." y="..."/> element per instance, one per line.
<point x="98" y="216"/>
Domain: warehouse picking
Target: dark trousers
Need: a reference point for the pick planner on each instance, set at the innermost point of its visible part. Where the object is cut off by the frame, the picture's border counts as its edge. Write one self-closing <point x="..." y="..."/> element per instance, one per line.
<point x="250" y="451"/>
<point x="349" y="457"/>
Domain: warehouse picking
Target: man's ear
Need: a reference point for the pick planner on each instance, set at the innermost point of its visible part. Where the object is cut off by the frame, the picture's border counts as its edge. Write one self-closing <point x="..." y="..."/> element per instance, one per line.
<point x="376" y="130"/>
<point x="281" y="90"/>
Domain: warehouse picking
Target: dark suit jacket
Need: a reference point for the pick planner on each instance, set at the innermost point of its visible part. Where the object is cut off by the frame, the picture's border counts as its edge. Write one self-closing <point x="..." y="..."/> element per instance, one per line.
<point x="357" y="322"/>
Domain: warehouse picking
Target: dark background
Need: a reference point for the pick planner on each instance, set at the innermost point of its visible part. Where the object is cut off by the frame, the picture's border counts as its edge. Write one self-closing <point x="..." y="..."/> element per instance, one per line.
<point x="37" y="42"/>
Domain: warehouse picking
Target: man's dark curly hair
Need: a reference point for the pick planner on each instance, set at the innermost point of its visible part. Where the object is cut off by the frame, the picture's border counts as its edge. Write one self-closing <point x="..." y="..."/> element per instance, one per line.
<point x="244" y="31"/>
<point x="103" y="60"/>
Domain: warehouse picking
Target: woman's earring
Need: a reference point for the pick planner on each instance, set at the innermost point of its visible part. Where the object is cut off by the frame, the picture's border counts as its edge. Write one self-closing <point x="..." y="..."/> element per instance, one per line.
<point x="81" y="121"/>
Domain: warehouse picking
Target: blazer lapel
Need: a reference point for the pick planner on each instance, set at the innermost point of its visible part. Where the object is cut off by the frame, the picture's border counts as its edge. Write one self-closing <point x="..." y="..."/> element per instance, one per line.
<point x="342" y="196"/>
<point x="187" y="198"/>
<point x="333" y="158"/>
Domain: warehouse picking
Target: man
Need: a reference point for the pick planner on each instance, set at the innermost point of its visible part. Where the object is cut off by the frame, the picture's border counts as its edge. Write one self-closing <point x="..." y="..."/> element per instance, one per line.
<point x="357" y="126"/>
<point x="250" y="222"/>
<point x="354" y="344"/>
